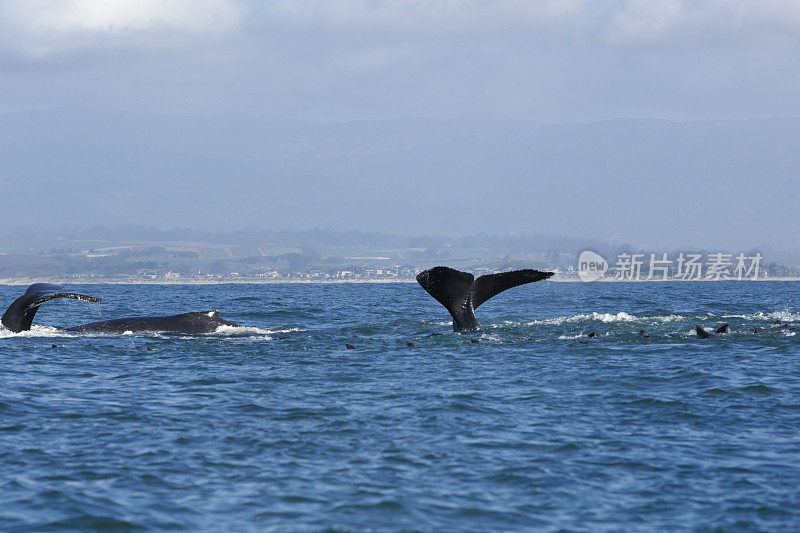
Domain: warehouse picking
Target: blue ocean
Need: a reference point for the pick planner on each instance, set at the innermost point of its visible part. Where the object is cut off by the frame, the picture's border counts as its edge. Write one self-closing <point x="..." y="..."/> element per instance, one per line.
<point x="277" y="426"/>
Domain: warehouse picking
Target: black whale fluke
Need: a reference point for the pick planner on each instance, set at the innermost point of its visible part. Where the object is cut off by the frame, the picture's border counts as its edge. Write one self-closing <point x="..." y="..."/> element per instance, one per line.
<point x="20" y="313"/>
<point x="461" y="293"/>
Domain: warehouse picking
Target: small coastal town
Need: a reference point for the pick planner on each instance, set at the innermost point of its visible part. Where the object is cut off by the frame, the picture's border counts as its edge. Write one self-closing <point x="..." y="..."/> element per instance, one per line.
<point x="323" y="258"/>
<point x="181" y="262"/>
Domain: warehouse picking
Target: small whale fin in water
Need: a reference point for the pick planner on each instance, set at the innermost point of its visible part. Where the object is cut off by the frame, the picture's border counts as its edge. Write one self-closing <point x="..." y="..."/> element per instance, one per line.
<point x="19" y="315"/>
<point x="460" y="293"/>
<point x="756" y="329"/>
<point x="725" y="328"/>
<point x="643" y="333"/>
<point x="703" y="334"/>
<point x="594" y="334"/>
<point x="349" y="347"/>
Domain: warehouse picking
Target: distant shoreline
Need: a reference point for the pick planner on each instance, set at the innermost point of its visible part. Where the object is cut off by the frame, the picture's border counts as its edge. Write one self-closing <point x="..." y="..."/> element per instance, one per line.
<point x="112" y="281"/>
<point x="116" y="281"/>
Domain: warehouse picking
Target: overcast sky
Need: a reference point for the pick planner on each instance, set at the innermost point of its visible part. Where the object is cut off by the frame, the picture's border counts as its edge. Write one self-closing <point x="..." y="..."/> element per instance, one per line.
<point x="244" y="66"/>
<point x="545" y="60"/>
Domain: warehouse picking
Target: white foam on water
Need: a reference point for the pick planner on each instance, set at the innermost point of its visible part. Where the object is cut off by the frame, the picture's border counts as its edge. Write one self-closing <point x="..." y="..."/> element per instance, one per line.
<point x="622" y="316"/>
<point x="667" y="318"/>
<point x="784" y="316"/>
<point x="248" y="330"/>
<point x="37" y="331"/>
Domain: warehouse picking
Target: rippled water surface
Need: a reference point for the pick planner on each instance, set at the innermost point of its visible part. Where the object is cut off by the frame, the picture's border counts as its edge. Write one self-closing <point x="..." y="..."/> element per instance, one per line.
<point x="276" y="426"/>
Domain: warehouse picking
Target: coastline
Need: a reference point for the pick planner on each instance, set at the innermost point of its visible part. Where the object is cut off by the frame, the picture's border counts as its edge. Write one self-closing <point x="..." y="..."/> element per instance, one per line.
<point x="247" y="281"/>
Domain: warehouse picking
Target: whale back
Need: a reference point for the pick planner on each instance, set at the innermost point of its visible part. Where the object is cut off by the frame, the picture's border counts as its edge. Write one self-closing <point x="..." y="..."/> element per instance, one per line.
<point x="187" y="323"/>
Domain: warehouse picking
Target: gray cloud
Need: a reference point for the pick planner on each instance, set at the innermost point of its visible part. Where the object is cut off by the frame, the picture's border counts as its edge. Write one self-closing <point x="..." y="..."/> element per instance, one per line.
<point x="687" y="24"/>
<point x="38" y="29"/>
<point x="545" y="60"/>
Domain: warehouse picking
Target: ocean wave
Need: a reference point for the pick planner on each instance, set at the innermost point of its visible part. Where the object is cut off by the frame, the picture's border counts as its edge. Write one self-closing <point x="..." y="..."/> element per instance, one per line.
<point x="784" y="316"/>
<point x="228" y="331"/>
<point x="622" y="316"/>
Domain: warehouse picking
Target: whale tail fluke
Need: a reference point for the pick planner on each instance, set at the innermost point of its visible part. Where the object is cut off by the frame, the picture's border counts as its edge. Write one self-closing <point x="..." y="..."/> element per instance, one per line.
<point x="453" y="289"/>
<point x="490" y="285"/>
<point x="460" y="293"/>
<point x="19" y="315"/>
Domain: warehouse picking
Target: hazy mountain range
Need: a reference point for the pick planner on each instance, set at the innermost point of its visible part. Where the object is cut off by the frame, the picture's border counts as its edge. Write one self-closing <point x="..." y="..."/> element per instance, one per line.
<point x="645" y="182"/>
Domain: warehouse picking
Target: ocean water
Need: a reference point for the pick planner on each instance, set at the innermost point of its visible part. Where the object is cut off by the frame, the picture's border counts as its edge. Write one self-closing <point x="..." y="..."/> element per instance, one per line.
<point x="277" y="427"/>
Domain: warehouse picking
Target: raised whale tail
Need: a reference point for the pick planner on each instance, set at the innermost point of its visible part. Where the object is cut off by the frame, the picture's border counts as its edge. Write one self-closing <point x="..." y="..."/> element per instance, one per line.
<point x="460" y="293"/>
<point x="19" y="315"/>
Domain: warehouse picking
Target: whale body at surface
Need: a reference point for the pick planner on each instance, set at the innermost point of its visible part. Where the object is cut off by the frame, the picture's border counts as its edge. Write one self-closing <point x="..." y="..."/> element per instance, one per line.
<point x="198" y="322"/>
<point x="19" y="315"/>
